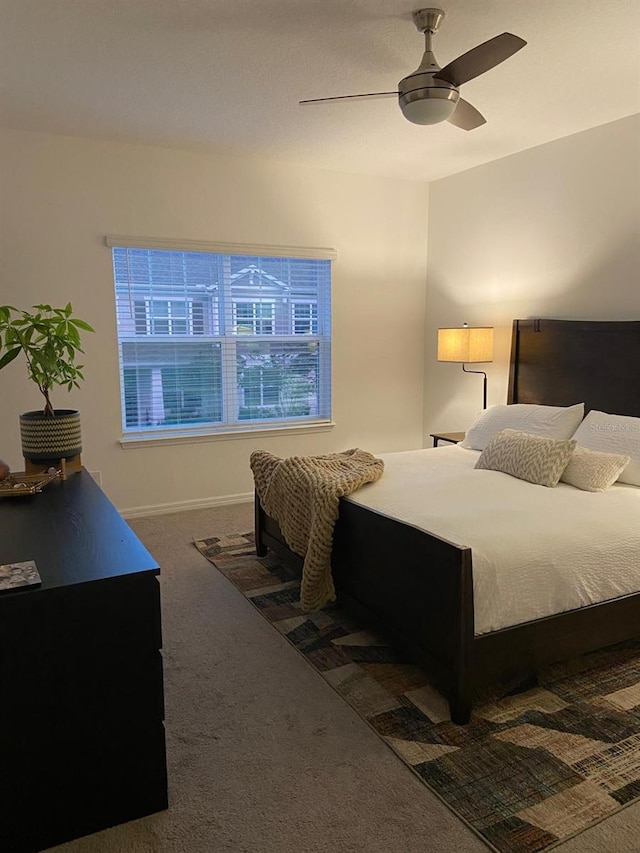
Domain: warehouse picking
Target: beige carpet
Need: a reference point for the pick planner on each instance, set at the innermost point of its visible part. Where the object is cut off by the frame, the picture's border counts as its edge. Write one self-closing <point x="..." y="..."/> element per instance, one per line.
<point x="283" y="769"/>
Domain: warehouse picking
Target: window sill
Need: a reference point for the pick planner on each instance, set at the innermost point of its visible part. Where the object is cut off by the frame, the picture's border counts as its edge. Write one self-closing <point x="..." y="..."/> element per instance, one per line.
<point x="137" y="442"/>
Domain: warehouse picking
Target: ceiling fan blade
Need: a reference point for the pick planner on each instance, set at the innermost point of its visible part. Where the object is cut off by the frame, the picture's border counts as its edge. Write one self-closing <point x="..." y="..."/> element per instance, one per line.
<point x="369" y="95"/>
<point x="480" y="59"/>
<point x="466" y="116"/>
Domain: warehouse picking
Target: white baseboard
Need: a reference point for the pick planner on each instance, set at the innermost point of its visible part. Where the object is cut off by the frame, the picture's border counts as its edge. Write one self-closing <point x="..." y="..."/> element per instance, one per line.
<point x="180" y="506"/>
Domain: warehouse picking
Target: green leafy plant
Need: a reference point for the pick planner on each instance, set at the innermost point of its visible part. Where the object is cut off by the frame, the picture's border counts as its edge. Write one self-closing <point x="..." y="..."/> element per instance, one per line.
<point x="50" y="340"/>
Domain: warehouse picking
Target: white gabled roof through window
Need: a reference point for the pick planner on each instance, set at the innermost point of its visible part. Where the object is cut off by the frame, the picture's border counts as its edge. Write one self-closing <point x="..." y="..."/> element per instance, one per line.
<point x="253" y="272"/>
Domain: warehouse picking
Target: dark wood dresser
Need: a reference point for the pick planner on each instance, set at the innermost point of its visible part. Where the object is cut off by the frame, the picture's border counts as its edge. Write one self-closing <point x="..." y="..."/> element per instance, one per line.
<point x="82" y="742"/>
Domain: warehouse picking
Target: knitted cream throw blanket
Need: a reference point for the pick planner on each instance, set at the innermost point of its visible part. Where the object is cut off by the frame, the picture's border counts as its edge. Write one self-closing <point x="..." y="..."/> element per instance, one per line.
<point x="302" y="493"/>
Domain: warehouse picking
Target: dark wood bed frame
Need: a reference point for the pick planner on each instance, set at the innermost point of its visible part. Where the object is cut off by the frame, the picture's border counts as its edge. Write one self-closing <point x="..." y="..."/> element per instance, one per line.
<point x="418" y="588"/>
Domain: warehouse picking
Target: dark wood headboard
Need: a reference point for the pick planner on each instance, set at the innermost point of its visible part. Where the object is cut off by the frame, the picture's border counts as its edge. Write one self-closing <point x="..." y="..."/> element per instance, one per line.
<point x="562" y="362"/>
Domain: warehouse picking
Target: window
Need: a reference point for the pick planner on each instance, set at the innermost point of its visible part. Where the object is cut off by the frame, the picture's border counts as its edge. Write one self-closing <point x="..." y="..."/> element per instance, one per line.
<point x="168" y="317"/>
<point x="305" y="318"/>
<point x="253" y="318"/>
<point x="211" y="342"/>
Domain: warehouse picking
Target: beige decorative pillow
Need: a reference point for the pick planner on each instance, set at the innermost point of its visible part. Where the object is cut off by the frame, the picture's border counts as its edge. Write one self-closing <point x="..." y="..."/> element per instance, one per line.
<point x="593" y="471"/>
<point x="528" y="457"/>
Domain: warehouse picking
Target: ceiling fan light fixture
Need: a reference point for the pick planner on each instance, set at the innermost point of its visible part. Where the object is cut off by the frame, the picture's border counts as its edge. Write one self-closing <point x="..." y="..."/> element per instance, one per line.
<point x="429" y="106"/>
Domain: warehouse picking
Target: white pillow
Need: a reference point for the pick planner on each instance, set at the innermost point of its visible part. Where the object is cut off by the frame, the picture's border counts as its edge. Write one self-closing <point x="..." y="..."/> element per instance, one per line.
<point x="548" y="421"/>
<point x="593" y="471"/>
<point x="613" y="434"/>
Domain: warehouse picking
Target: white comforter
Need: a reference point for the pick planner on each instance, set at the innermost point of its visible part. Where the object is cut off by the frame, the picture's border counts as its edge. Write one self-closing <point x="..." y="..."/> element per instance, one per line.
<point x="536" y="551"/>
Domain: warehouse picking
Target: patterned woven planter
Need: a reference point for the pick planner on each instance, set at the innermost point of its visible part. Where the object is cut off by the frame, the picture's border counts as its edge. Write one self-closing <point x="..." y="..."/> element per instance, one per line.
<point x="56" y="437"/>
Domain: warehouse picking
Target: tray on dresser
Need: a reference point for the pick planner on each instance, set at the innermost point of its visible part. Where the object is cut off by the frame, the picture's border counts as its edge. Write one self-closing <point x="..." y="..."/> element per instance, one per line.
<point x="19" y="483"/>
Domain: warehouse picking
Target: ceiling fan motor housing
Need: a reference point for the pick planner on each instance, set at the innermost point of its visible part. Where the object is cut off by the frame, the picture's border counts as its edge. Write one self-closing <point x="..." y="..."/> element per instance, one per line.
<point x="424" y="99"/>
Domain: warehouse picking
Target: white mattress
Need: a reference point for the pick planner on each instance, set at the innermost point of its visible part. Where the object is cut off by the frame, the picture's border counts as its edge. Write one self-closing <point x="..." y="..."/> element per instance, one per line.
<point x="536" y="551"/>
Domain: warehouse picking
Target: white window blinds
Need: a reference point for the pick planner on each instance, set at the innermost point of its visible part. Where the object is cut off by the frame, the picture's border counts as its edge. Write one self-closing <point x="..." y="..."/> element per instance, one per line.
<point x="212" y="341"/>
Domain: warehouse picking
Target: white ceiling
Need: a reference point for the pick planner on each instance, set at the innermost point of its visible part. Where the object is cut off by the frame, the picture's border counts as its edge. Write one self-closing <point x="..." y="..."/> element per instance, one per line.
<point x="226" y="75"/>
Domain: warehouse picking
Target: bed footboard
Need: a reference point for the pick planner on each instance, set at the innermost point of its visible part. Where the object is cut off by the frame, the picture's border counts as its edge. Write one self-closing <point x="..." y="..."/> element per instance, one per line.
<point x="268" y="537"/>
<point x="415" y="587"/>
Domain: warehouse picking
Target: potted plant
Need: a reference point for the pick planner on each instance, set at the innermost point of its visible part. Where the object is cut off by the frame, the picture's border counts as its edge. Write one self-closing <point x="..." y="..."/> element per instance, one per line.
<point x="49" y="338"/>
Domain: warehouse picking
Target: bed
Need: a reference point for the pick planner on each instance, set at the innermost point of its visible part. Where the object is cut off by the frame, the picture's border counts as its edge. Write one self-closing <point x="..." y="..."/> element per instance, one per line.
<point x="418" y="587"/>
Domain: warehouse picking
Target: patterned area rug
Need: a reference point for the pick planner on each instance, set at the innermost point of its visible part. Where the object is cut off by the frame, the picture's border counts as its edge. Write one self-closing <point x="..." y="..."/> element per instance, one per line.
<point x="536" y="764"/>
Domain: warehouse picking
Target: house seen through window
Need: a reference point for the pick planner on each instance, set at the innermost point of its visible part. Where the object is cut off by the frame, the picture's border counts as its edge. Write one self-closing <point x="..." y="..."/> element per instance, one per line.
<point x="213" y="341"/>
<point x="253" y="318"/>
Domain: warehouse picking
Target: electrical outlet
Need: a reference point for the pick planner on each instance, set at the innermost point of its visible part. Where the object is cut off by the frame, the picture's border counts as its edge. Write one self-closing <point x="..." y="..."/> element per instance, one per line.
<point x="97" y="476"/>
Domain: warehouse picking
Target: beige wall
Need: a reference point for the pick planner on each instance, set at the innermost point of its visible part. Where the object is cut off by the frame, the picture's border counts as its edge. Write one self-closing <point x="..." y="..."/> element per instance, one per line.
<point x="550" y="232"/>
<point x="59" y="198"/>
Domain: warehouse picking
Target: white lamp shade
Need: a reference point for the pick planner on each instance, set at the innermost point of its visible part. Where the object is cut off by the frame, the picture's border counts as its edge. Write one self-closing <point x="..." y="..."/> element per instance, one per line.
<point x="466" y="344"/>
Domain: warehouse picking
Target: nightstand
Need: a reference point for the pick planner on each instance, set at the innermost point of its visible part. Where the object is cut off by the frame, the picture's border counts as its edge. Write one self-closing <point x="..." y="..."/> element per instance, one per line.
<point x="451" y="437"/>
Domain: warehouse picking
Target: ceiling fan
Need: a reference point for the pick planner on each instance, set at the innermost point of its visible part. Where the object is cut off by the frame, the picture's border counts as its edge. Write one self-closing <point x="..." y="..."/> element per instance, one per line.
<point x="431" y="94"/>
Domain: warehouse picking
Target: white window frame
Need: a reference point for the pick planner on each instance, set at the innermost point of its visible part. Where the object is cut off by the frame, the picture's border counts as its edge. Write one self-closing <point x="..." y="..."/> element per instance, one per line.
<point x="255" y="318"/>
<point x="150" y="317"/>
<point x="242" y="429"/>
<point x="312" y="303"/>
